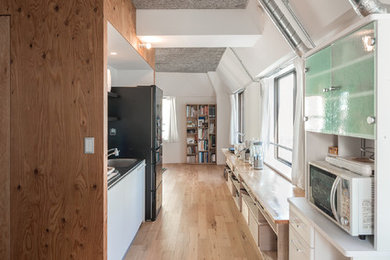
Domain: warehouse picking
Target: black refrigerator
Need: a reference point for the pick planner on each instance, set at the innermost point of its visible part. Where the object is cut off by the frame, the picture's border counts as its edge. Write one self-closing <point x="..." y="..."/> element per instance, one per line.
<point x="134" y="127"/>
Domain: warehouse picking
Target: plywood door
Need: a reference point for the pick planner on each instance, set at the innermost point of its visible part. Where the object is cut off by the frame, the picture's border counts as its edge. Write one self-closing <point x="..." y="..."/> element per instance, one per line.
<point x="4" y="137"/>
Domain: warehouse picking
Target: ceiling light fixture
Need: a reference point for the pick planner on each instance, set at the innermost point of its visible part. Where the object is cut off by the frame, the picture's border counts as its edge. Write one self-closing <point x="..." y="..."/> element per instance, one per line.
<point x="147" y="45"/>
<point x="113" y="53"/>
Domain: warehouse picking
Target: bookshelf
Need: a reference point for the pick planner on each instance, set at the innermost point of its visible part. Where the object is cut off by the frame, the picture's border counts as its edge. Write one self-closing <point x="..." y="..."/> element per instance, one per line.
<point x="201" y="138"/>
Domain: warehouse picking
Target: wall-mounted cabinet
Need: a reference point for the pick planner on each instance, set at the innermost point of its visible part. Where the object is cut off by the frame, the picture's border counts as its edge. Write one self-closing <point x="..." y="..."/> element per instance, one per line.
<point x="340" y="86"/>
<point x="346" y="105"/>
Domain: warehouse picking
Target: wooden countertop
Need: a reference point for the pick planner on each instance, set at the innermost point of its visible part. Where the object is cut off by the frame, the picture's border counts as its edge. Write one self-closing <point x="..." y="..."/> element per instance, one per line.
<point x="269" y="188"/>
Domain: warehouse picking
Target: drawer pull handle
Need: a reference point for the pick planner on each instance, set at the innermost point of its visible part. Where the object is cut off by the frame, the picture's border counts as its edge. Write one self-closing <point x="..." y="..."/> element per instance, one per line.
<point x="296" y="248"/>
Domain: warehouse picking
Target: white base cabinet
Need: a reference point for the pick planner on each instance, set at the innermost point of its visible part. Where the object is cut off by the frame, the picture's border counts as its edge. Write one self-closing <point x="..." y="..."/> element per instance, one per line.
<point x="126" y="212"/>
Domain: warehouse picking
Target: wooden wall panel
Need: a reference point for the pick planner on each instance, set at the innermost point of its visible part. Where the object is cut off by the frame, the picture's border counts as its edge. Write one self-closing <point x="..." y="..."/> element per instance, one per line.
<point x="57" y="99"/>
<point x="4" y="137"/>
<point x="122" y="15"/>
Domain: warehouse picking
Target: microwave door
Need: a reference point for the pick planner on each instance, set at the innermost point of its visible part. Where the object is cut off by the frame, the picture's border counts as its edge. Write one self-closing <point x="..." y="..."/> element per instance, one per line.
<point x="321" y="188"/>
<point x="333" y="198"/>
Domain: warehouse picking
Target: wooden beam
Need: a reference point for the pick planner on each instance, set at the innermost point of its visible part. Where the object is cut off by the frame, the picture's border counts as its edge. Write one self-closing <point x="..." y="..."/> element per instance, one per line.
<point x="5" y="137"/>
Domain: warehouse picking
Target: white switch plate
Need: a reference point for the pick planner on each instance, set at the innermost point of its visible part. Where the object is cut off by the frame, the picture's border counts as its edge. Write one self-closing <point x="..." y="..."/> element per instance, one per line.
<point x="89" y="145"/>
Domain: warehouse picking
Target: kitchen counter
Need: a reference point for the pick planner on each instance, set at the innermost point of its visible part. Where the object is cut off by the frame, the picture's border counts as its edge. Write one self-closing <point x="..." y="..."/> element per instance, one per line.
<point x="123" y="172"/>
<point x="269" y="188"/>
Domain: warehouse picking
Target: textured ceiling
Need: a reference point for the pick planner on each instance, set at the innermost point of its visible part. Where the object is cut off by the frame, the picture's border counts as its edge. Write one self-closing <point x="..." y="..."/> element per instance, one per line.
<point x="191" y="60"/>
<point x="190" y="4"/>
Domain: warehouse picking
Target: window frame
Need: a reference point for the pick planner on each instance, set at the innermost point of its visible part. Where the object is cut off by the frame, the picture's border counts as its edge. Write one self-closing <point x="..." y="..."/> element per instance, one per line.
<point x="276" y="144"/>
<point x="241" y="115"/>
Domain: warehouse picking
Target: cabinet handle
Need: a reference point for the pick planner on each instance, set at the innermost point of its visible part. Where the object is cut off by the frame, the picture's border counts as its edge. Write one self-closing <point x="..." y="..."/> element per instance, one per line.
<point x="296" y="248"/>
<point x="305" y="118"/>
<point x="333" y="88"/>
<point x="371" y="120"/>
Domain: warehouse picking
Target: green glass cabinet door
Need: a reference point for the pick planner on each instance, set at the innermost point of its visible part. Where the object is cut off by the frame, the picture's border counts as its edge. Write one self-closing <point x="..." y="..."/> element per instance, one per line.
<point x="318" y="102"/>
<point x="353" y="83"/>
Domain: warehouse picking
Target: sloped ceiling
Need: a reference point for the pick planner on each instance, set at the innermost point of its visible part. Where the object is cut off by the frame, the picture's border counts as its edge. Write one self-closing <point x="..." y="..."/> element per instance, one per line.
<point x="191" y="60"/>
<point x="190" y="4"/>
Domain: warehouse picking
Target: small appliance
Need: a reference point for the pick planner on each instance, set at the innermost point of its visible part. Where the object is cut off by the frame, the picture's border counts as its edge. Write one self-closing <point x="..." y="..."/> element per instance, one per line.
<point x="344" y="197"/>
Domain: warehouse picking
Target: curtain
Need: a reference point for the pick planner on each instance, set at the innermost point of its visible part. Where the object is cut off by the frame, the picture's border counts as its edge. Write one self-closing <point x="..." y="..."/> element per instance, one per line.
<point x="170" y="132"/>
<point x="233" y="119"/>
<point x="298" y="155"/>
<point x="266" y="88"/>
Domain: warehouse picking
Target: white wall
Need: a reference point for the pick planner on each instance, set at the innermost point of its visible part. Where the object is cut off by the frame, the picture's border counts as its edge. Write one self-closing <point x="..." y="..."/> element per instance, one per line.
<point x="270" y="48"/>
<point x="188" y="88"/>
<point x="223" y="114"/>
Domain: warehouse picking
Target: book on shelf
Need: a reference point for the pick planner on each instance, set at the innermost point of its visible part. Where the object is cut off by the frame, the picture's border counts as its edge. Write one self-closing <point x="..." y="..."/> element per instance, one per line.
<point x="191" y="123"/>
<point x="204" y="110"/>
<point x="191" y="150"/>
<point x="202" y="133"/>
<point x="203" y="145"/>
<point x="203" y="157"/>
<point x="191" y="111"/>
<point x="212" y="111"/>
<point x="211" y="127"/>
<point x="212" y="140"/>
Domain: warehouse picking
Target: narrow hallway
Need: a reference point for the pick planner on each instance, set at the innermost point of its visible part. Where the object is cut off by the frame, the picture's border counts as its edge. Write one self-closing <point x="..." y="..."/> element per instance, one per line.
<point x="199" y="220"/>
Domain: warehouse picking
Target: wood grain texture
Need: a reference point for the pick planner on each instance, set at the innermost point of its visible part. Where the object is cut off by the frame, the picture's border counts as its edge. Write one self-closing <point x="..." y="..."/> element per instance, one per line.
<point x="57" y="99"/>
<point x="198" y="220"/>
<point x="5" y="102"/>
<point x="122" y="15"/>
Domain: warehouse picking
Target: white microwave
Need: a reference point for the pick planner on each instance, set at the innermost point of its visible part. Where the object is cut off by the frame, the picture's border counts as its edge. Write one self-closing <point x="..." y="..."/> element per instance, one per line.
<point x="344" y="197"/>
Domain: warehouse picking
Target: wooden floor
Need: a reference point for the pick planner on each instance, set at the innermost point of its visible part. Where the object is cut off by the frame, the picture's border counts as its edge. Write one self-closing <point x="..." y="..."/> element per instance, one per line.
<point x="199" y="220"/>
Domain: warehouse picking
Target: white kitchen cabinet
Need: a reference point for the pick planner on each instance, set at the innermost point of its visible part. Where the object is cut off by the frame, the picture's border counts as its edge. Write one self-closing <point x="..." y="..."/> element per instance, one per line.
<point x="126" y="212"/>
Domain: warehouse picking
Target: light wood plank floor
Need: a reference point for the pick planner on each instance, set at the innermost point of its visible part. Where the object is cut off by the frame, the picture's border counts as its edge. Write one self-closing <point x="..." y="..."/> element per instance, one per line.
<point x="199" y="219"/>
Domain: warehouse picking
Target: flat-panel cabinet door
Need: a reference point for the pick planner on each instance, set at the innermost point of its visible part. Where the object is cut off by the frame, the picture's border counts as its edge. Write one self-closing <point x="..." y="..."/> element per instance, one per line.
<point x="353" y="81"/>
<point x="318" y="104"/>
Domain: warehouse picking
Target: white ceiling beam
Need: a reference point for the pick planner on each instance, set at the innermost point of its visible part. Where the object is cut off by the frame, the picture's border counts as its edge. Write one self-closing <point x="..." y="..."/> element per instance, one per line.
<point x="200" y="28"/>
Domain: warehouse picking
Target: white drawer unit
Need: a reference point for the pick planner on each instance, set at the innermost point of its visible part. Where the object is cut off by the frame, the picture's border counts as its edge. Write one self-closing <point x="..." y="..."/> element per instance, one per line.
<point x="302" y="227"/>
<point x="299" y="249"/>
<point x="254" y="227"/>
<point x="244" y="209"/>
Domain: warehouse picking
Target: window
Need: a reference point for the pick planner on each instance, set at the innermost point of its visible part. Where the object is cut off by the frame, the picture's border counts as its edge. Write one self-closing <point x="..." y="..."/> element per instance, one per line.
<point x="169" y="123"/>
<point x="241" y="123"/>
<point x="284" y="108"/>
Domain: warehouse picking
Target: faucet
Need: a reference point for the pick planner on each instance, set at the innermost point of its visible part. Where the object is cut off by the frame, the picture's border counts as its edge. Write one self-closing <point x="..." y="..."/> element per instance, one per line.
<point x="113" y="151"/>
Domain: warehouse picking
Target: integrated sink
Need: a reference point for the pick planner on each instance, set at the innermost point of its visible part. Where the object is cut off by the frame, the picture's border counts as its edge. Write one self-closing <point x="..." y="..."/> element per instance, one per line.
<point x="121" y="162"/>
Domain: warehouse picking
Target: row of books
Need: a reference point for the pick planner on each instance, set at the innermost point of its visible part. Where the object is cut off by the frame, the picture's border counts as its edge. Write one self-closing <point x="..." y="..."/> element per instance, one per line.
<point x="212" y="127"/>
<point x="204" y="110"/>
<point x="203" y="145"/>
<point x="192" y="150"/>
<point x="191" y="111"/>
<point x="212" y="140"/>
<point x="203" y="157"/>
<point x="202" y="122"/>
<point x="202" y="133"/>
<point x="212" y="111"/>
